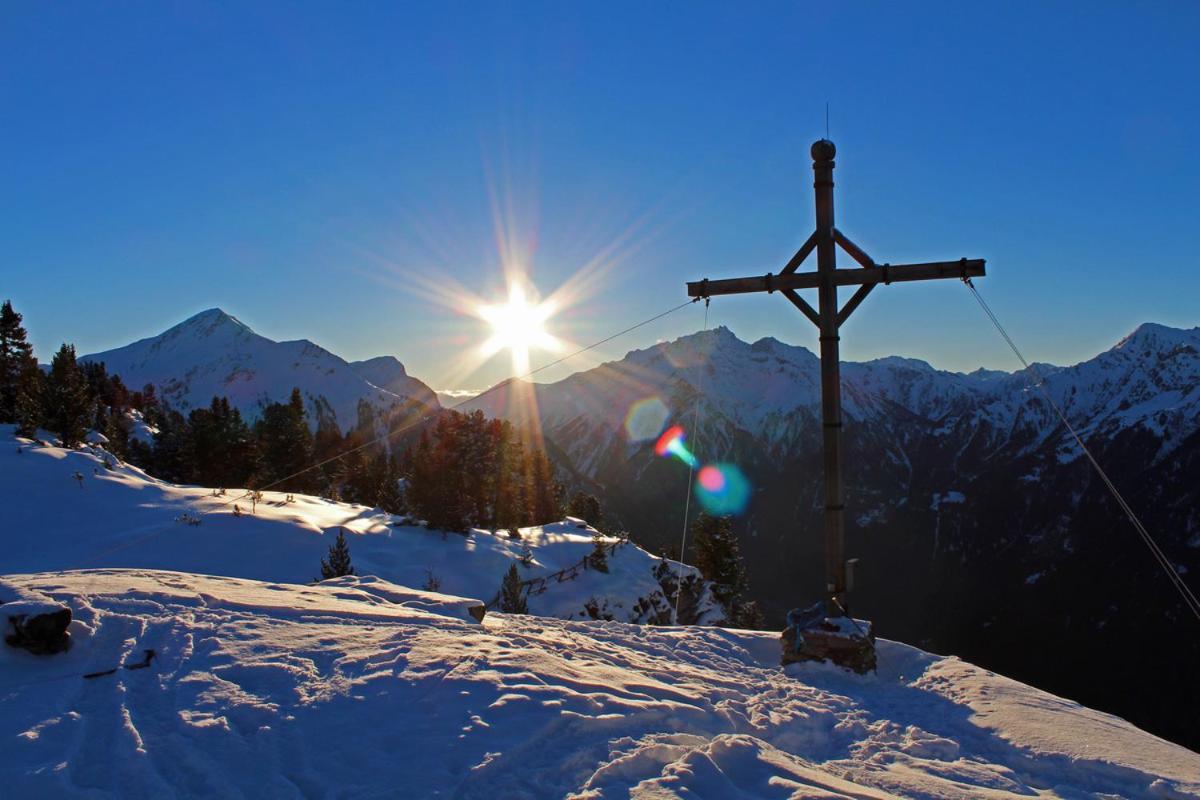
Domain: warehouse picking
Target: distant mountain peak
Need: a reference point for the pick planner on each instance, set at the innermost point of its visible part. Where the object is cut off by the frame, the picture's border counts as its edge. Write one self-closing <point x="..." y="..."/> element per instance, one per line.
<point x="380" y="362"/>
<point x="1156" y="336"/>
<point x="208" y="322"/>
<point x="212" y="353"/>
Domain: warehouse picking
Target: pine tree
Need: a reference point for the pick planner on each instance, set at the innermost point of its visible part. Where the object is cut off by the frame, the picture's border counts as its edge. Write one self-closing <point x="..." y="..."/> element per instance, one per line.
<point x="68" y="407"/>
<point x="338" y="564"/>
<point x="285" y="445"/>
<point x="328" y="443"/>
<point x="16" y="355"/>
<point x="219" y="448"/>
<point x="598" y="559"/>
<point x="147" y="402"/>
<point x="438" y="479"/>
<point x="512" y="593"/>
<point x="469" y="470"/>
<point x="546" y="492"/>
<point x="388" y="495"/>
<point x="171" y="456"/>
<point x="747" y="616"/>
<point x="586" y="507"/>
<point x="510" y="502"/>
<point x="29" y="413"/>
<point x="719" y="560"/>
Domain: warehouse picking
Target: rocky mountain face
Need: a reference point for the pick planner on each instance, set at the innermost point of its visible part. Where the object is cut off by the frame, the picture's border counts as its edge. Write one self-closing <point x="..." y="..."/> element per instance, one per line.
<point x="981" y="529"/>
<point x="214" y="354"/>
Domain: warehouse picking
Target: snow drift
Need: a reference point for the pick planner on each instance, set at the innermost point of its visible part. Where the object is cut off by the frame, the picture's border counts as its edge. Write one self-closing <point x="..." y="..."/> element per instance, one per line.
<point x="366" y="689"/>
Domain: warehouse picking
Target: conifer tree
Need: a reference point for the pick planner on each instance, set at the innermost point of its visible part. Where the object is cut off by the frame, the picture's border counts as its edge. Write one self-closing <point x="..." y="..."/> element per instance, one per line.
<point x="388" y="496"/>
<point x="718" y="558"/>
<point x="328" y="442"/>
<point x="546" y="493"/>
<point x="29" y="413"/>
<point x="586" y="507"/>
<point x="66" y="401"/>
<point x="171" y="453"/>
<point x="16" y="355"/>
<point x="219" y="448"/>
<point x="747" y="615"/>
<point x="512" y="593"/>
<point x="338" y="564"/>
<point x="285" y="445"/>
<point x="469" y="470"/>
<point x="598" y="559"/>
<point x="510" y="501"/>
<point x="148" y="403"/>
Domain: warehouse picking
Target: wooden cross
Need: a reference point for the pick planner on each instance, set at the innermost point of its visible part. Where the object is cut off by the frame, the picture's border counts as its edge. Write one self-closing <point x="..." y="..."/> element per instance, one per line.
<point x="828" y="318"/>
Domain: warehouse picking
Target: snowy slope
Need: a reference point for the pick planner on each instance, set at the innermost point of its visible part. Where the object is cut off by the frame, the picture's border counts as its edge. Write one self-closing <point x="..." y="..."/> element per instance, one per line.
<point x="118" y="516"/>
<point x="214" y="354"/>
<point x="367" y="689"/>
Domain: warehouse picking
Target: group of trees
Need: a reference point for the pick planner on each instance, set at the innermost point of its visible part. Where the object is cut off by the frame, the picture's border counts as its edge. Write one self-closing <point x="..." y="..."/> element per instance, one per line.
<point x="67" y="400"/>
<point x="215" y="446"/>
<point x="469" y="470"/>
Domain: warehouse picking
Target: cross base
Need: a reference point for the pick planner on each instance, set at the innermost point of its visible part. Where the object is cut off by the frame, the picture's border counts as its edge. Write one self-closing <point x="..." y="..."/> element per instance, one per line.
<point x="813" y="636"/>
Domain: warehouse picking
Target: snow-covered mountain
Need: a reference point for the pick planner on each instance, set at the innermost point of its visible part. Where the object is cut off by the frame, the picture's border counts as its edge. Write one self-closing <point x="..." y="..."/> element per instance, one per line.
<point x="969" y="505"/>
<point x="213" y="354"/>
<point x="770" y="390"/>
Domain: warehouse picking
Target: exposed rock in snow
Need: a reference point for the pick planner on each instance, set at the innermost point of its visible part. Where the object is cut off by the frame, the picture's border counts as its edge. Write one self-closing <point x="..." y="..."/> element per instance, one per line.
<point x="31" y="620"/>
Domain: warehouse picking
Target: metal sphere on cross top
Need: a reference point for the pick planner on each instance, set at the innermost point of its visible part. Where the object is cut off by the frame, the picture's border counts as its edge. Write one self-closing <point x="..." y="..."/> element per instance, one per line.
<point x="823" y="150"/>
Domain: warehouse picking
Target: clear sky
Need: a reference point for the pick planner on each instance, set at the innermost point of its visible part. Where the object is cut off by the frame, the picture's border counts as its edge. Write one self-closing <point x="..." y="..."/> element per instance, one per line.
<point x="323" y="170"/>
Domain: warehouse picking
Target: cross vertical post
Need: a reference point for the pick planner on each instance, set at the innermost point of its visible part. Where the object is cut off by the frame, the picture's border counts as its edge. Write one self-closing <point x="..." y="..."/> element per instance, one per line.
<point x="823" y="152"/>
<point x="812" y="637"/>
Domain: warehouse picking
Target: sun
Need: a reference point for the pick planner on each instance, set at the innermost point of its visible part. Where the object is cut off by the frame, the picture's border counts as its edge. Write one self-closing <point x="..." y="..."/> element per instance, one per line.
<point x="519" y="326"/>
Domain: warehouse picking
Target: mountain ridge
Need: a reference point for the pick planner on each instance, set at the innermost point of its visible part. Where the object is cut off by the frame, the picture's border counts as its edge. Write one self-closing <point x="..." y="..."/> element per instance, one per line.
<point x="212" y="353"/>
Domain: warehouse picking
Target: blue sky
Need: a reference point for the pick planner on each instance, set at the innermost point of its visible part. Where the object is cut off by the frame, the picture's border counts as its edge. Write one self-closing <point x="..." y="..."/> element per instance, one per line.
<point x="302" y="165"/>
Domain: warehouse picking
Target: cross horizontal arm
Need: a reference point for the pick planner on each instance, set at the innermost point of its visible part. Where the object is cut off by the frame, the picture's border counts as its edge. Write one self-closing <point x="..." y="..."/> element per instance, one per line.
<point x="885" y="273"/>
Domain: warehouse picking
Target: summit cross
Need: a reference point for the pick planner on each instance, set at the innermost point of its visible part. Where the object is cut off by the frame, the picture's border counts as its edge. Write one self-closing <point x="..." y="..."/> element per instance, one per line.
<point x="828" y="318"/>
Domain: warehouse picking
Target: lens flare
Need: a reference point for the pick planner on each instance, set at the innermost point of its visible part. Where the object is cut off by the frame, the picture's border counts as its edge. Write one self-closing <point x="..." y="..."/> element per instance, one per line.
<point x="671" y="443"/>
<point x="722" y="489"/>
<point x="646" y="419"/>
<point x="711" y="479"/>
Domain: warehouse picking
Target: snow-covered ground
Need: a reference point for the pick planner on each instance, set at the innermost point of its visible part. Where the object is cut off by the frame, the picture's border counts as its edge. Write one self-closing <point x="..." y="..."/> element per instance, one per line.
<point x="115" y="515"/>
<point x="360" y="688"/>
<point x="262" y="685"/>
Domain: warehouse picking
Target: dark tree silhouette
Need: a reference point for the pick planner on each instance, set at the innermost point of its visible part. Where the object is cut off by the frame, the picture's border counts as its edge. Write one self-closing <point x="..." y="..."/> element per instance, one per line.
<point x="338" y="564"/>
<point x="512" y="593"/>
<point x="16" y="357"/>
<point x="66" y="401"/>
<point x="586" y="507"/>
